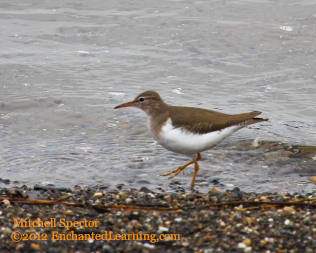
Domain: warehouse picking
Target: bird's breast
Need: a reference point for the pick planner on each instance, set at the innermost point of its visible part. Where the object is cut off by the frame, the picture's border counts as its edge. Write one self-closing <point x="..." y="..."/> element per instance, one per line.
<point x="180" y="140"/>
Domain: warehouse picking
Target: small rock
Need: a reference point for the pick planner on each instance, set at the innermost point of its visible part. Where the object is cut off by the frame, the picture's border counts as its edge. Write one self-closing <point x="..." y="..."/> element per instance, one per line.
<point x="69" y="212"/>
<point x="145" y="189"/>
<point x="6" y="202"/>
<point x="6" y="230"/>
<point x="287" y="222"/>
<point x="167" y="198"/>
<point x="141" y="194"/>
<point x="215" y="189"/>
<point x="128" y="200"/>
<point x="241" y="245"/>
<point x="289" y="209"/>
<point x="77" y="187"/>
<point x="122" y="195"/>
<point x="35" y="246"/>
<point x="151" y="195"/>
<point x="98" y="194"/>
<point x="247" y="242"/>
<point x="162" y="229"/>
<point x="248" y="250"/>
<point x="149" y="246"/>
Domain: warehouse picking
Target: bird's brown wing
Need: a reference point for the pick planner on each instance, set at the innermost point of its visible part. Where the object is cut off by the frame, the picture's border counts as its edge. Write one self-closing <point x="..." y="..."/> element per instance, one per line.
<point x="204" y="121"/>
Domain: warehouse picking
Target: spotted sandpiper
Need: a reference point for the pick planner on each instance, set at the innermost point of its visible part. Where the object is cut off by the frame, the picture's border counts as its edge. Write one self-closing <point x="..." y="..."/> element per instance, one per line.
<point x="188" y="130"/>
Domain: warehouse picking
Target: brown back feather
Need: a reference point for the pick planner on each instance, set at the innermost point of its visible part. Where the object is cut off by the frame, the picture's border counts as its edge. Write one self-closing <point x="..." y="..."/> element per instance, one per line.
<point x="209" y="121"/>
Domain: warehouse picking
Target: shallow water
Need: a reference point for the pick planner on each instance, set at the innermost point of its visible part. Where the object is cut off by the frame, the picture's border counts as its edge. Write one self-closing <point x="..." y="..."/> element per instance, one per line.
<point x="65" y="66"/>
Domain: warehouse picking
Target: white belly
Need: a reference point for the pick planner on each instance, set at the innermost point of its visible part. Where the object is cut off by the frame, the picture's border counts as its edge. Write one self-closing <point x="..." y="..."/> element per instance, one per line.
<point x="183" y="142"/>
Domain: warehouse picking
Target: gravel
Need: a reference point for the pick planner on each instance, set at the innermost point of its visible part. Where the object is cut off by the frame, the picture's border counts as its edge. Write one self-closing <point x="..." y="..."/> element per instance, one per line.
<point x="231" y="221"/>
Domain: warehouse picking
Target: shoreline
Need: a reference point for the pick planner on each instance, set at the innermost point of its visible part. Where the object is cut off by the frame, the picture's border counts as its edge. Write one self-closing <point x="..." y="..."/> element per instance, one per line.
<point x="145" y="221"/>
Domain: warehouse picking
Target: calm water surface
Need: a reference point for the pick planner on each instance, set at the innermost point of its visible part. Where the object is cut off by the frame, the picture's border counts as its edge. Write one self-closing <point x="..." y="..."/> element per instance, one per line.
<point x="65" y="66"/>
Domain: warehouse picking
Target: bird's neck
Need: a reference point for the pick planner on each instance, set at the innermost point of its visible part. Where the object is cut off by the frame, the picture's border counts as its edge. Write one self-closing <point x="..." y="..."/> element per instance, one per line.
<point x="157" y="117"/>
<point x="157" y="109"/>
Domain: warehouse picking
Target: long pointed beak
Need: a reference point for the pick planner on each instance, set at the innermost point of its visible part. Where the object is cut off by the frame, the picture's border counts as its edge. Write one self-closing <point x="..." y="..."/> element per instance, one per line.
<point x="132" y="103"/>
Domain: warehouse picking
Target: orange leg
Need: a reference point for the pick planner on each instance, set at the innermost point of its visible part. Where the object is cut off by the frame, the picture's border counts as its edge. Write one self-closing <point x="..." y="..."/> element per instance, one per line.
<point x="178" y="170"/>
<point x="196" y="168"/>
<point x="182" y="167"/>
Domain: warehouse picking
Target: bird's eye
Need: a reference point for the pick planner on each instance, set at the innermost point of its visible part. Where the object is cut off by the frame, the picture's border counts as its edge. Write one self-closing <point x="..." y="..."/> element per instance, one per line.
<point x="141" y="99"/>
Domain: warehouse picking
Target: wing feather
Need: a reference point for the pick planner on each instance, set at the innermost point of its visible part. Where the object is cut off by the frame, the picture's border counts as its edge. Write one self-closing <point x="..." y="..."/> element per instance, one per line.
<point x="205" y="121"/>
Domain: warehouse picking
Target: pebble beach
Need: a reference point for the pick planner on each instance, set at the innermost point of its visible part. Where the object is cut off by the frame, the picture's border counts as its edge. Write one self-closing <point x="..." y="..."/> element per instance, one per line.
<point x="97" y="219"/>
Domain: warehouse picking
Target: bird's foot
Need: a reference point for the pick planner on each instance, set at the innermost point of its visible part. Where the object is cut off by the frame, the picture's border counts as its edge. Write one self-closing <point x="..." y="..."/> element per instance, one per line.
<point x="175" y="172"/>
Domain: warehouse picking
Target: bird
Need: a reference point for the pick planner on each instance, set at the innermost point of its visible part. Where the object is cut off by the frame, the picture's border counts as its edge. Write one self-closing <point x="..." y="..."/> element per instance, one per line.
<point x="188" y="130"/>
